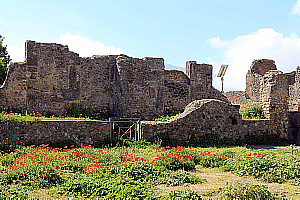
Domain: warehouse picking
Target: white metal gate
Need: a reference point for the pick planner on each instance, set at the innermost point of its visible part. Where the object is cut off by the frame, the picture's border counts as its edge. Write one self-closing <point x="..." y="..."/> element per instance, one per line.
<point x="126" y="128"/>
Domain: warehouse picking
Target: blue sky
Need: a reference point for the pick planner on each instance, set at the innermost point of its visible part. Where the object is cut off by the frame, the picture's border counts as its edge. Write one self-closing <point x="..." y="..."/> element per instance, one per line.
<point x="233" y="32"/>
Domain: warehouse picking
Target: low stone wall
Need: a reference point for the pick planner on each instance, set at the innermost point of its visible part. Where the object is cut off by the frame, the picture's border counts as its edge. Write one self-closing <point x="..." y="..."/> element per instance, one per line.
<point x="57" y="132"/>
<point x="200" y="117"/>
<point x="209" y="116"/>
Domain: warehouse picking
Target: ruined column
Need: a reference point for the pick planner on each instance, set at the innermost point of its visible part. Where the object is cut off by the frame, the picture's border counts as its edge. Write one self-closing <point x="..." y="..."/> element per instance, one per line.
<point x="274" y="101"/>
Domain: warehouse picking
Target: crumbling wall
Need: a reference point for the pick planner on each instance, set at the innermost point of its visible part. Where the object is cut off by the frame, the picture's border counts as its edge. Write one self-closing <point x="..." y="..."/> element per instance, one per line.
<point x="254" y="76"/>
<point x="200" y="80"/>
<point x="142" y="85"/>
<point x="294" y="88"/>
<point x="54" y="78"/>
<point x="177" y="92"/>
<point x="14" y="90"/>
<point x="206" y="116"/>
<point x="238" y="97"/>
<point x="274" y="100"/>
<point x="96" y="82"/>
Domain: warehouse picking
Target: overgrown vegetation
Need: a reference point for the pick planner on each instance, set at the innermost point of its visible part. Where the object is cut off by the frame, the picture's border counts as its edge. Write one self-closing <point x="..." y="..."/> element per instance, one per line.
<point x="247" y="191"/>
<point x="165" y="118"/>
<point x="251" y="112"/>
<point x="136" y="170"/>
<point x="5" y="116"/>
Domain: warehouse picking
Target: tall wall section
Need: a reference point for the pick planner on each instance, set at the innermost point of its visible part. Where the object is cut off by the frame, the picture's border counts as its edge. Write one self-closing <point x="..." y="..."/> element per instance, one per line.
<point x="177" y="91"/>
<point x="274" y="100"/>
<point x="294" y="89"/>
<point x="141" y="86"/>
<point x="200" y="80"/>
<point x="52" y="77"/>
<point x="255" y="75"/>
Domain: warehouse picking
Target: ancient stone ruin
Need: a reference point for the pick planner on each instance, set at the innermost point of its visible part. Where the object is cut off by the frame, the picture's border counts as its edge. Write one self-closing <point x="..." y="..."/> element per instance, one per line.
<point x="53" y="78"/>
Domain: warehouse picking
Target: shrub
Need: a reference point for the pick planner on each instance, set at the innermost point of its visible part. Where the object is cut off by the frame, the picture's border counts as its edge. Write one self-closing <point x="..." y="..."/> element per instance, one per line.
<point x="12" y="193"/>
<point x="252" y="112"/>
<point x="246" y="191"/>
<point x="267" y="168"/>
<point x="33" y="175"/>
<point x="184" y="195"/>
<point x="175" y="158"/>
<point x="208" y="159"/>
<point x="165" y="118"/>
<point x="111" y="187"/>
<point x="178" y="178"/>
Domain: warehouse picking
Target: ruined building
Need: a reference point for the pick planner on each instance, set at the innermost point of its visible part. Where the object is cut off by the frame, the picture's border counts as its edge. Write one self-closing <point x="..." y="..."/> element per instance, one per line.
<point x="52" y="78"/>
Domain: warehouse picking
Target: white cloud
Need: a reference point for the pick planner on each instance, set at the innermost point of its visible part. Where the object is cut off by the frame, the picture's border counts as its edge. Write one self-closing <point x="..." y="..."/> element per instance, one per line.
<point x="264" y="43"/>
<point x="296" y="8"/>
<point x="17" y="53"/>
<point x="87" y="47"/>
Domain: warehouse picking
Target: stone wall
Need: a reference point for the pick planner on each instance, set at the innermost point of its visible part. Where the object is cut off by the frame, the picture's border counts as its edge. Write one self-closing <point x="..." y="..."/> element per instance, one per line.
<point x="274" y="100"/>
<point x="254" y="85"/>
<point x="53" y="78"/>
<point x="238" y="97"/>
<point x="142" y="86"/>
<point x="200" y="80"/>
<point x="177" y="91"/>
<point x="294" y="89"/>
<point x="254" y="76"/>
<point x="206" y="116"/>
<point x="56" y="132"/>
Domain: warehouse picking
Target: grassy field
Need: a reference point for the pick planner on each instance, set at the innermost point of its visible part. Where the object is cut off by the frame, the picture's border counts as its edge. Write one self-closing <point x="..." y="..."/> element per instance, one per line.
<point x="143" y="171"/>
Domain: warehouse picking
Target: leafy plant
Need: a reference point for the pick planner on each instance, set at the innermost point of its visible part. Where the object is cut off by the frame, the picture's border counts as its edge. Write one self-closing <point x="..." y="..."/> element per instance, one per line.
<point x="246" y="191"/>
<point x="267" y="168"/>
<point x="165" y="118"/>
<point x="252" y="112"/>
<point x="175" y="158"/>
<point x="184" y="195"/>
<point x="114" y="187"/>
